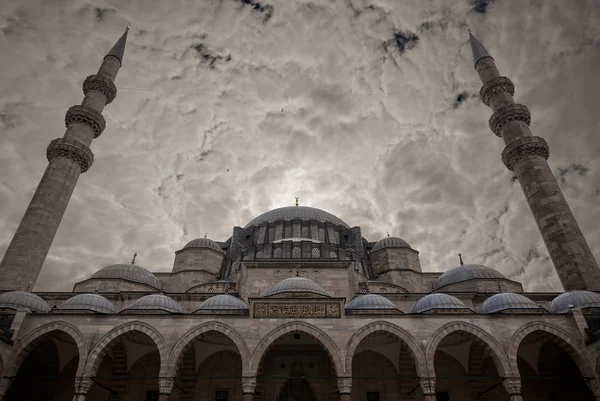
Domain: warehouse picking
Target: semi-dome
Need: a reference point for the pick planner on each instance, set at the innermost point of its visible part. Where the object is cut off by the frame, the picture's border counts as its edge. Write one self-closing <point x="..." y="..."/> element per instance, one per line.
<point x="303" y="213"/>
<point x="22" y="299"/>
<point x="438" y="301"/>
<point x="508" y="301"/>
<point x="88" y="302"/>
<point x="296" y="285"/>
<point x="223" y="302"/>
<point x="129" y="272"/>
<point x="467" y="272"/>
<point x="390" y="242"/>
<point x="156" y="302"/>
<point x="371" y="301"/>
<point x="578" y="299"/>
<point x="203" y="243"/>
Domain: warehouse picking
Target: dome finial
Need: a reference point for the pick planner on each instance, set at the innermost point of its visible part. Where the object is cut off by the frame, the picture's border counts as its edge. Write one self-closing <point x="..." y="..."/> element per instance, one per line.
<point x="460" y="259"/>
<point x="296" y="201"/>
<point x="388" y="234"/>
<point x="469" y="29"/>
<point x="133" y="260"/>
<point x="205" y="234"/>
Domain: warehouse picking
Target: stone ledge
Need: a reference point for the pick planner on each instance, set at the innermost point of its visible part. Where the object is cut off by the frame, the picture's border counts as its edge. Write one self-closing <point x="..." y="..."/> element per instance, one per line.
<point x="71" y="149"/>
<point x="524" y="147"/>
<point x="506" y="114"/>
<point x="100" y="84"/>
<point x="88" y="116"/>
<point x="496" y="85"/>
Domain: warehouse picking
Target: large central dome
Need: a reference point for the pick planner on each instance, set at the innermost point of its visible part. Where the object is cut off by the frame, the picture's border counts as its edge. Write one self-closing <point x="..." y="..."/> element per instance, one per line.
<point x="290" y="213"/>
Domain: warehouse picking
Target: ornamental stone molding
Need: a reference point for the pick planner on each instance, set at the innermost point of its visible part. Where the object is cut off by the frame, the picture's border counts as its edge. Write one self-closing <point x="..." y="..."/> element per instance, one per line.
<point x="165" y="385"/>
<point x="512" y="385"/>
<point x="86" y="115"/>
<point x="100" y="84"/>
<point x="507" y="114"/>
<point x="427" y="385"/>
<point x="496" y="85"/>
<point x="83" y="385"/>
<point x="71" y="149"/>
<point x="524" y="147"/>
<point x="344" y="385"/>
<point x="248" y="385"/>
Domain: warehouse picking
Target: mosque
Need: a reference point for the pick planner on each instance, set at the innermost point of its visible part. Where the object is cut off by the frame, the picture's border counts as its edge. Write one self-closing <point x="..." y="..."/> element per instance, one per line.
<point x="297" y="305"/>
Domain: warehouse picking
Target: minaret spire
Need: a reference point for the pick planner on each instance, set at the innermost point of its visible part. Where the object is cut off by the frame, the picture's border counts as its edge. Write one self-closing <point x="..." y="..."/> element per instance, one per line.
<point x="68" y="157"/>
<point x="526" y="155"/>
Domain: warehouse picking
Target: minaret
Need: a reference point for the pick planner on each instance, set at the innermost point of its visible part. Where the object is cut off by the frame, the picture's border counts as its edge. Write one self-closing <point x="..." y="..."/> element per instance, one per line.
<point x="526" y="155"/>
<point x="68" y="157"/>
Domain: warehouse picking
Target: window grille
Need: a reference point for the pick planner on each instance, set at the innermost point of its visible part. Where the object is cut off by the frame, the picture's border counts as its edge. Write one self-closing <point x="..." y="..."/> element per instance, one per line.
<point x="336" y="237"/>
<point x="277" y="253"/>
<point x="271" y="234"/>
<point x="316" y="253"/>
<point x="152" y="395"/>
<point x="259" y="255"/>
<point x="321" y="234"/>
<point x="221" y="395"/>
<point x="372" y="395"/>
<point x="333" y="255"/>
<point x="304" y="232"/>
<point x="288" y="232"/>
<point x="296" y="252"/>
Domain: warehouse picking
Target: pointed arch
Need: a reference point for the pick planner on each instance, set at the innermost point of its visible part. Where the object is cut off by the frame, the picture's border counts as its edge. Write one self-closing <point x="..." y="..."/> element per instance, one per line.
<point x="403" y="335"/>
<point x="497" y="353"/>
<point x="188" y="338"/>
<point x="99" y="350"/>
<point x="310" y="329"/>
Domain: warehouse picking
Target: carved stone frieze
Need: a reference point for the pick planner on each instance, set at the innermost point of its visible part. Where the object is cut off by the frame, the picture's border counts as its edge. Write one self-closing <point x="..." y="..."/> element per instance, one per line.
<point x="83" y="385"/>
<point x="427" y="385"/>
<point x="507" y="114"/>
<point x="512" y="385"/>
<point x="88" y="116"/>
<point x="165" y="385"/>
<point x="72" y="149"/>
<point x="289" y="310"/>
<point x="248" y="385"/>
<point x="493" y="86"/>
<point x="344" y="385"/>
<point x="100" y="84"/>
<point x="524" y="147"/>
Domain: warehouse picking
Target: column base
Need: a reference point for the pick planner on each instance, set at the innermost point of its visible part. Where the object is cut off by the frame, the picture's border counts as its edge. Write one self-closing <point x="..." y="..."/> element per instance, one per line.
<point x="345" y="397"/>
<point x="515" y="397"/>
<point x="248" y="396"/>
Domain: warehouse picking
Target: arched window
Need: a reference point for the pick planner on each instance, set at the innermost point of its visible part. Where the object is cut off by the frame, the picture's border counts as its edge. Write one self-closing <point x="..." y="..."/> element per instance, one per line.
<point x="333" y="255"/>
<point x="256" y="234"/>
<point x="321" y="234"/>
<point x="336" y="238"/>
<point x="271" y="234"/>
<point x="277" y="253"/>
<point x="259" y="255"/>
<point x="296" y="252"/>
<point x="288" y="232"/>
<point x="316" y="253"/>
<point x="304" y="232"/>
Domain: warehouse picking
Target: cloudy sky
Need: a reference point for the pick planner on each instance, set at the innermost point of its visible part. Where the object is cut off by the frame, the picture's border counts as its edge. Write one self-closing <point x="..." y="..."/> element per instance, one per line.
<point x="367" y="109"/>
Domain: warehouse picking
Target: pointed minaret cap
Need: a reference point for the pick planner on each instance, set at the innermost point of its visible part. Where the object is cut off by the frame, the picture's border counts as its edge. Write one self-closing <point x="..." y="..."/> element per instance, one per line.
<point x="119" y="48"/>
<point x="479" y="51"/>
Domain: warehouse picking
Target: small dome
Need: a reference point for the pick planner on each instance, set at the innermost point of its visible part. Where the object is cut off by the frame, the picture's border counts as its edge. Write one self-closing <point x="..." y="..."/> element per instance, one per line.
<point x="371" y="301"/>
<point x="506" y="301"/>
<point x="290" y="213"/>
<point x="133" y="273"/>
<point x="89" y="302"/>
<point x="203" y="243"/>
<point x="296" y="285"/>
<point x="22" y="299"/>
<point x="579" y="299"/>
<point x="156" y="302"/>
<point x="467" y="272"/>
<point x="437" y="301"/>
<point x="223" y="302"/>
<point x="390" y="242"/>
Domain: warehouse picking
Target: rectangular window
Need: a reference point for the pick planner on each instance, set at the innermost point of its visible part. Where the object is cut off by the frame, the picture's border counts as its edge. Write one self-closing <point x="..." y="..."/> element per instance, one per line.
<point x="221" y="395"/>
<point x="372" y="395"/>
<point x="152" y="395"/>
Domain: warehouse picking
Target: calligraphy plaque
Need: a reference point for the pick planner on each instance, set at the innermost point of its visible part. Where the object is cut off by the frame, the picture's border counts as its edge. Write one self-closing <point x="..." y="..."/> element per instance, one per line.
<point x="289" y="310"/>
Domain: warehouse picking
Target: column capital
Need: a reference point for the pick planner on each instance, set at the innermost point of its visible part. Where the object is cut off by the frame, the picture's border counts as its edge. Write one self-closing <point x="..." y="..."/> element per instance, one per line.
<point x="512" y="385"/>
<point x="248" y="385"/>
<point x="427" y="385"/>
<point x="523" y="147"/>
<point x="83" y="385"/>
<point x="165" y="385"/>
<point x="344" y="385"/>
<point x="507" y="113"/>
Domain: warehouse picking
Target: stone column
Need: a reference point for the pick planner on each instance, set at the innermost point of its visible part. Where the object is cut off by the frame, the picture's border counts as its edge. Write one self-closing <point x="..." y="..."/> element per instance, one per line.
<point x="345" y="388"/>
<point x="165" y="386"/>
<point x="82" y="387"/>
<point x="513" y="386"/>
<point x="4" y="385"/>
<point x="428" y="387"/>
<point x="248" y="387"/>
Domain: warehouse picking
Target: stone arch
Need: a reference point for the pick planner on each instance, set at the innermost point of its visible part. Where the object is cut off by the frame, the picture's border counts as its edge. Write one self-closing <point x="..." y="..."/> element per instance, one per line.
<point x="99" y="349"/>
<point x="565" y="341"/>
<point x="29" y="342"/>
<point x="402" y="334"/>
<point x="187" y="339"/>
<point x="318" y="334"/>
<point x="497" y="354"/>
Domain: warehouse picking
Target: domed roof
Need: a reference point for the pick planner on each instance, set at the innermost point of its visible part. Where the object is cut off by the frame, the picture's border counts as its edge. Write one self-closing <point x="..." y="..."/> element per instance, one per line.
<point x="437" y="301"/>
<point x="296" y="285"/>
<point x="579" y="299"/>
<point x="371" y="301"/>
<point x="390" y="242"/>
<point x="22" y="299"/>
<point x="290" y="213"/>
<point x="507" y="300"/>
<point x="128" y="272"/>
<point x="223" y="302"/>
<point x="89" y="302"/>
<point x="467" y="272"/>
<point x="156" y="302"/>
<point x="203" y="243"/>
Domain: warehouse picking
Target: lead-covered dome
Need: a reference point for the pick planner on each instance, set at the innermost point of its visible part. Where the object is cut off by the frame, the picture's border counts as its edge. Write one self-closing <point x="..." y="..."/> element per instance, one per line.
<point x="390" y="242"/>
<point x="467" y="272"/>
<point x="203" y="243"/>
<point x="223" y="302"/>
<point x="297" y="285"/>
<point x="134" y="273"/>
<point x="507" y="301"/>
<point x="438" y="301"/>
<point x="578" y="299"/>
<point x="371" y="301"/>
<point x="22" y="299"/>
<point x="156" y="302"/>
<point x="88" y="302"/>
<point x="303" y="213"/>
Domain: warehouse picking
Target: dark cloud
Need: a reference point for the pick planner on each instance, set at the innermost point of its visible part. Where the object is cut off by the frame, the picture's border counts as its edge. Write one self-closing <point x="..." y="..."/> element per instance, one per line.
<point x="402" y="41"/>
<point x="265" y="9"/>
<point x="460" y="98"/>
<point x="481" y="6"/>
<point x="102" y="13"/>
<point x="574" y="168"/>
<point x="209" y="57"/>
